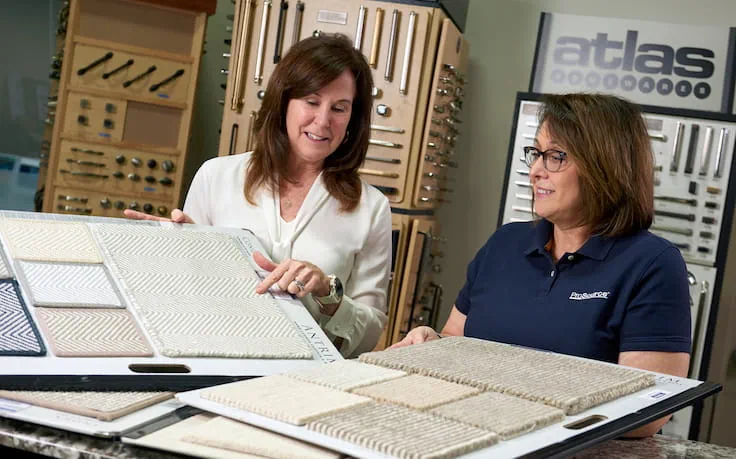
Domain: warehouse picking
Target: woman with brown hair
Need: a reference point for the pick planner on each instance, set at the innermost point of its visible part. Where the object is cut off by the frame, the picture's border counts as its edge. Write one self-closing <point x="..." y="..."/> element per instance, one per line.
<point x="327" y="233"/>
<point x="587" y="278"/>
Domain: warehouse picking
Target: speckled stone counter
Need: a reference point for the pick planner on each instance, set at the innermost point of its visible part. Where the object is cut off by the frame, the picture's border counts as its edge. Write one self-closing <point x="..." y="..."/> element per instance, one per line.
<point x="46" y="441"/>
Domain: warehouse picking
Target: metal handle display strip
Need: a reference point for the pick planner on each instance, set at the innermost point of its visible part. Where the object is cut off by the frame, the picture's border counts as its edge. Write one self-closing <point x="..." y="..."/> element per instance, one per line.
<point x="388" y="74"/>
<point x="704" y="287"/>
<point x="233" y="139"/>
<point x="359" y="28"/>
<point x="280" y="31"/>
<point x="297" y="22"/>
<point x="673" y="229"/>
<point x="243" y="28"/>
<point x="377" y="29"/>
<point x="82" y="210"/>
<point x="383" y="160"/>
<point x="140" y="76"/>
<point x="720" y="153"/>
<point x="82" y="162"/>
<point x="384" y="143"/>
<point x="526" y="210"/>
<point x="167" y="80"/>
<point x="397" y="130"/>
<point x="386" y="189"/>
<point x="84" y="174"/>
<point x="664" y="213"/>
<point x="406" y="65"/>
<point x="676" y="147"/>
<point x="87" y="151"/>
<point x="690" y="202"/>
<point x="378" y="173"/>
<point x="251" y="128"/>
<point x="73" y="199"/>
<point x="258" y="76"/>
<point x="691" y="147"/>
<point x="118" y="69"/>
<point x="659" y="137"/>
<point x="108" y="55"/>
<point x="705" y="157"/>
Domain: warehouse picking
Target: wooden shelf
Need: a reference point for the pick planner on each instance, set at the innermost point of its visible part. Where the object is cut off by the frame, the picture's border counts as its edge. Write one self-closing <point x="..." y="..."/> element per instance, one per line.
<point x="126" y="96"/>
<point x="124" y="145"/>
<point x="111" y="45"/>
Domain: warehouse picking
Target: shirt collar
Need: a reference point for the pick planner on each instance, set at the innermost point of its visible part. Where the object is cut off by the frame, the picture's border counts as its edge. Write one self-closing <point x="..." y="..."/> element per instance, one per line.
<point x="596" y="247"/>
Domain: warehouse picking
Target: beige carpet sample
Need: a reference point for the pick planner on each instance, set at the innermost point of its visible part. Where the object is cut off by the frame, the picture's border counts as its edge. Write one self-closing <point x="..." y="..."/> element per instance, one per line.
<point x="44" y="240"/>
<point x="170" y="439"/>
<point x="105" y="406"/>
<point x="282" y="398"/>
<point x="69" y="284"/>
<point x="506" y="415"/>
<point x="402" y="432"/>
<point x="227" y="434"/>
<point x="5" y="272"/>
<point x="345" y="374"/>
<point x="417" y="391"/>
<point x="562" y="381"/>
<point x="92" y="333"/>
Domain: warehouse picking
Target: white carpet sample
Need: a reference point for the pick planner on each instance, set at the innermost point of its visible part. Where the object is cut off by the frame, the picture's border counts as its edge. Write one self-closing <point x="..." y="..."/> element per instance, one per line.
<point x="43" y="240"/>
<point x="68" y="285"/>
<point x="416" y="391"/>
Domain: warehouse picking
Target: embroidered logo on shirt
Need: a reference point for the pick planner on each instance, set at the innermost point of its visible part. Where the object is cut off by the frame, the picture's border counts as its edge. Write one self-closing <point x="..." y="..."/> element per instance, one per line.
<point x="588" y="296"/>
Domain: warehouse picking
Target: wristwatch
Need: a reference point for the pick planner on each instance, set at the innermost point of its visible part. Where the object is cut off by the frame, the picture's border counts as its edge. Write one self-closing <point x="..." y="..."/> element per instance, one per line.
<point x="336" y="292"/>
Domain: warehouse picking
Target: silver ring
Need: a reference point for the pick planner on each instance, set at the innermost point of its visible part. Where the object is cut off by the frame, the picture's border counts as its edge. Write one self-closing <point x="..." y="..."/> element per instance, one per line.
<point x="299" y="284"/>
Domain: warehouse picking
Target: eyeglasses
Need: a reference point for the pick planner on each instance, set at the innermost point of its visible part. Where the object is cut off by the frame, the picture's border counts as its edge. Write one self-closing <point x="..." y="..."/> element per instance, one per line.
<point x="553" y="160"/>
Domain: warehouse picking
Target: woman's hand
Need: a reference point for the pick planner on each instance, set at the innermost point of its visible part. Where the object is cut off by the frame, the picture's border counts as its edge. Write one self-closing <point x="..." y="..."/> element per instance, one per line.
<point x="177" y="216"/>
<point x="419" y="335"/>
<point x="299" y="278"/>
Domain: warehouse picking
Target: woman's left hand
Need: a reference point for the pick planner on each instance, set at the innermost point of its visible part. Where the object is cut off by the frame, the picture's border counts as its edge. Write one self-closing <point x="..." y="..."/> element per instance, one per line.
<point x="297" y="277"/>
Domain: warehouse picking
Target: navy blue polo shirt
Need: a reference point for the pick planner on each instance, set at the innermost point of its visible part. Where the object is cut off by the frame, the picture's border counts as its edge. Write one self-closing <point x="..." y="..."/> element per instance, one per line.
<point x="613" y="295"/>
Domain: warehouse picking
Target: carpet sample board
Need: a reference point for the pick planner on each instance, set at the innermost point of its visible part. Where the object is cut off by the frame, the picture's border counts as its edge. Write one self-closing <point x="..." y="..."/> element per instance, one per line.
<point x="5" y="272"/>
<point x="43" y="240"/>
<point x="416" y="391"/>
<point x="506" y="415"/>
<point x="68" y="285"/>
<point x="346" y="374"/>
<point x="105" y="406"/>
<point x="282" y="398"/>
<point x="402" y="432"/>
<point x="18" y="333"/>
<point x="565" y="382"/>
<point x="227" y="434"/>
<point x="92" y="333"/>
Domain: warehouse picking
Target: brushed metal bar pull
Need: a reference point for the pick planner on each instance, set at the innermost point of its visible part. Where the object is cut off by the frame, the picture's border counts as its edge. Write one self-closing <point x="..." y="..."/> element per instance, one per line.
<point x="378" y="173"/>
<point x="705" y="157"/>
<point x="676" y="147"/>
<point x="673" y="229"/>
<point x="280" y="31"/>
<point x="384" y="143"/>
<point x="388" y="74"/>
<point x="397" y="130"/>
<point x="84" y="174"/>
<point x="87" y="151"/>
<point x="523" y="184"/>
<point x="691" y="147"/>
<point x="251" y="127"/>
<point x="659" y="137"/>
<point x="81" y="210"/>
<point x="690" y="202"/>
<point x="73" y="199"/>
<point x="82" y="162"/>
<point x="526" y="210"/>
<point x="720" y="153"/>
<point x="359" y="28"/>
<point x="523" y="197"/>
<point x="258" y="76"/>
<point x="522" y="172"/>
<point x="407" y="54"/>
<point x="377" y="29"/>
<point x="664" y="213"/>
<point x="233" y="139"/>
<point x="383" y="160"/>
<point x="297" y="22"/>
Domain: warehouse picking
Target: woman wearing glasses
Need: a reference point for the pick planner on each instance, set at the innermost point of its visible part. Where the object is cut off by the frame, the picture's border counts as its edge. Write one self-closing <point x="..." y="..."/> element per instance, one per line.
<point x="586" y="278"/>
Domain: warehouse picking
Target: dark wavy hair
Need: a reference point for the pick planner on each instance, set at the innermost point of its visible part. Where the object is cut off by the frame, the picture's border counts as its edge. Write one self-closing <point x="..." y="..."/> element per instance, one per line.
<point x="310" y="65"/>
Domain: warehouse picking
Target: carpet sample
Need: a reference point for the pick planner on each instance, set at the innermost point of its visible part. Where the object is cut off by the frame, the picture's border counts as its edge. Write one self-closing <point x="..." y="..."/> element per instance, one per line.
<point x="227" y="434"/>
<point x="105" y="406"/>
<point x="402" y="432"/>
<point x="284" y="399"/>
<point x="92" y="333"/>
<point x="417" y="391"/>
<point x="571" y="384"/>
<point x="68" y="285"/>
<point x="345" y="374"/>
<point x="5" y="272"/>
<point x="43" y="240"/>
<point x="506" y="415"/>
<point x="18" y="333"/>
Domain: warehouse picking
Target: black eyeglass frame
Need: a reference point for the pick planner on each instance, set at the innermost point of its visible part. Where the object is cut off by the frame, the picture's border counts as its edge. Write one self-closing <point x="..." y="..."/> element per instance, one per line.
<point x="531" y="154"/>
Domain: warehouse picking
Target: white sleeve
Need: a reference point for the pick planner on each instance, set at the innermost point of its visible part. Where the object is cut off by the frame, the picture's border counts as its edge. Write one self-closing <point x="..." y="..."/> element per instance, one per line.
<point x="362" y="314"/>
<point x="196" y="205"/>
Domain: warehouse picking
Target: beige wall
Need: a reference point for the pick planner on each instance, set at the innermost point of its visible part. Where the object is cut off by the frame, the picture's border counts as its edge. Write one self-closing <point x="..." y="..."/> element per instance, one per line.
<point x="502" y="35"/>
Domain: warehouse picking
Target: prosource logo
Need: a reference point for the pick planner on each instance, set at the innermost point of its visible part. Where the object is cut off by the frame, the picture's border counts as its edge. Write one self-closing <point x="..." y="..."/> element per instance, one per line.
<point x="598" y="63"/>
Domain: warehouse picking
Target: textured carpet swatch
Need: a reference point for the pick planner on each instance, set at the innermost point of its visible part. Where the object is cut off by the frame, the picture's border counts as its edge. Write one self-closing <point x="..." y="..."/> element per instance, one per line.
<point x="171" y="264"/>
<point x="69" y="285"/>
<point x="284" y="399"/>
<point x="345" y="374"/>
<point x="402" y="432"/>
<point x="506" y="415"/>
<point x="43" y="240"/>
<point x="18" y="333"/>
<point x="236" y="436"/>
<point x="198" y="286"/>
<point x="5" y="272"/>
<point x="92" y="333"/>
<point x="196" y="304"/>
<point x="417" y="391"/>
<point x="170" y="439"/>
<point x="105" y="406"/>
<point x="565" y="382"/>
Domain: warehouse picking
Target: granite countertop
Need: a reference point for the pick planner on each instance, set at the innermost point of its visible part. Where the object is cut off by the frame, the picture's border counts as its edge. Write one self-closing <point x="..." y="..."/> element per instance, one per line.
<point x="67" y="445"/>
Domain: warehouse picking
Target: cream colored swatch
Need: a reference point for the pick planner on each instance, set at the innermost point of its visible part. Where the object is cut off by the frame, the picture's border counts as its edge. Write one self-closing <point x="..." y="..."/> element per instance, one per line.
<point x="4" y="268"/>
<point x="92" y="333"/>
<point x="281" y="398"/>
<point x="261" y="306"/>
<point x="105" y="406"/>
<point x="562" y="381"/>
<point x="69" y="284"/>
<point x="402" y="432"/>
<point x="417" y="391"/>
<point x="171" y="264"/>
<point x="345" y="374"/>
<point x="170" y="439"/>
<point x="44" y="240"/>
<point x="506" y="415"/>
<point x="237" y="436"/>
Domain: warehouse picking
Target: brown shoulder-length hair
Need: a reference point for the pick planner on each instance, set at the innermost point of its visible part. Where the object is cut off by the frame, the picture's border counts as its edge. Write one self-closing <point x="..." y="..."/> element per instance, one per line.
<point x="310" y="65"/>
<point x="607" y="138"/>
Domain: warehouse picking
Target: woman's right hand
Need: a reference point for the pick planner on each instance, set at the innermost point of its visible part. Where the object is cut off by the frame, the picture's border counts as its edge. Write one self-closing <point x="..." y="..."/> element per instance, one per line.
<point x="177" y="216"/>
<point x="419" y="335"/>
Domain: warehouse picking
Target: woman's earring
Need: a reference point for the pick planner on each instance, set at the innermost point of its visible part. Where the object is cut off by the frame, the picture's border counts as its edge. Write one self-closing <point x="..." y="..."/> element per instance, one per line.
<point x="347" y="135"/>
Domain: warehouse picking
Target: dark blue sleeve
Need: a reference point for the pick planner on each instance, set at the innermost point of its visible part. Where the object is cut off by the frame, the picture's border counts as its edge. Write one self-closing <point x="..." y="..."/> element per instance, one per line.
<point x="658" y="317"/>
<point x="463" y="298"/>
